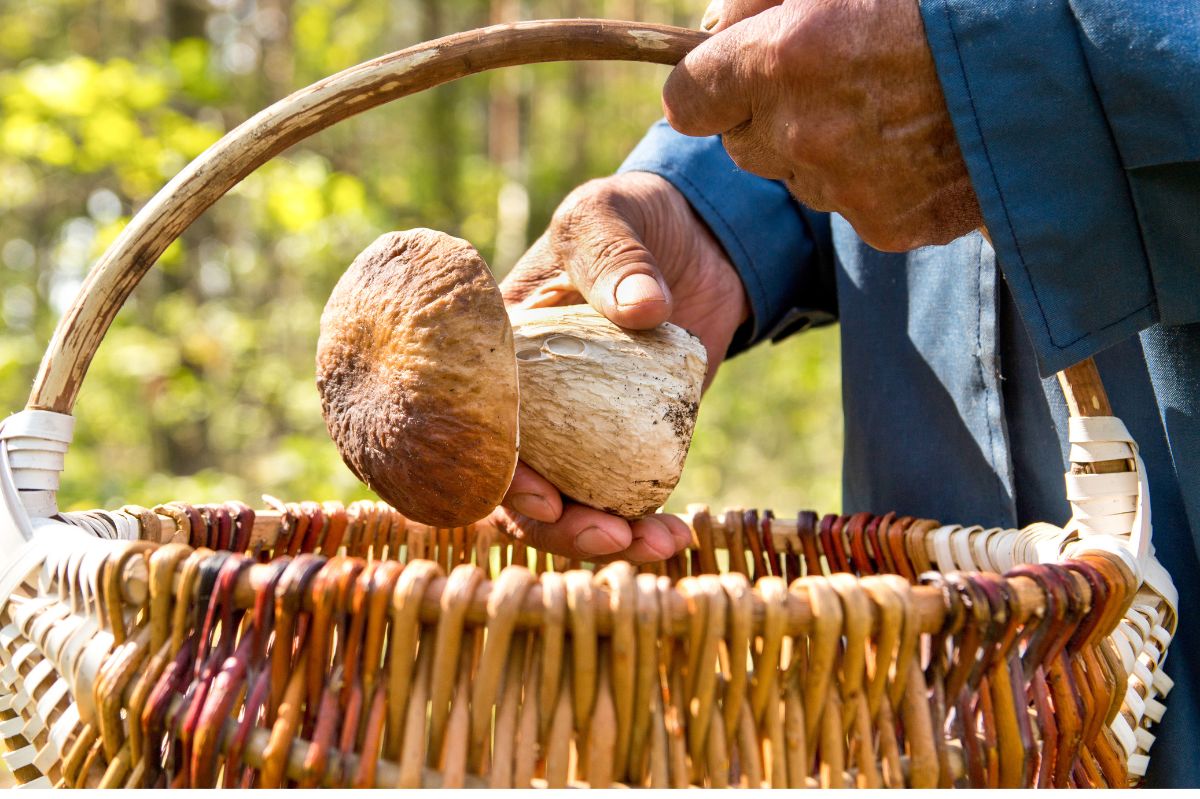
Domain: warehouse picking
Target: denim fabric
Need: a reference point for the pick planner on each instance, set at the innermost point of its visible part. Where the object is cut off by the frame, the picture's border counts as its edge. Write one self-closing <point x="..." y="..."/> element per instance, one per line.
<point x="946" y="415"/>
<point x="1105" y="88"/>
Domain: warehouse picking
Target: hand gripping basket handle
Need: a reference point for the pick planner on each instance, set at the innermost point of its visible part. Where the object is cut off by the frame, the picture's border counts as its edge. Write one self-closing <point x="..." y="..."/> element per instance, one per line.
<point x="350" y="92"/>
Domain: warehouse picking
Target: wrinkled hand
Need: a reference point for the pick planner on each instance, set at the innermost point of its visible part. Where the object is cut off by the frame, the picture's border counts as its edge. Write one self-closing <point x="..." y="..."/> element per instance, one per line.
<point x="839" y="99"/>
<point x="630" y="246"/>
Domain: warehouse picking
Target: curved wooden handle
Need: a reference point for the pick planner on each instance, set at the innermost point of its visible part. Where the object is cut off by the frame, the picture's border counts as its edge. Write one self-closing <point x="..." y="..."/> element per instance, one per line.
<point x="295" y="118"/>
<point x="311" y="110"/>
<point x="1084" y="392"/>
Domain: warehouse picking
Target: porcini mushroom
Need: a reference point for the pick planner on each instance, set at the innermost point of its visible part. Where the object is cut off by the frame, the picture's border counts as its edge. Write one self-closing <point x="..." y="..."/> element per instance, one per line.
<point x="424" y="376"/>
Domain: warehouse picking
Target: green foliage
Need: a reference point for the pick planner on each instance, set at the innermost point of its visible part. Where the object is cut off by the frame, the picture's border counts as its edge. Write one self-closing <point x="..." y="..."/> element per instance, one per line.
<point x="203" y="388"/>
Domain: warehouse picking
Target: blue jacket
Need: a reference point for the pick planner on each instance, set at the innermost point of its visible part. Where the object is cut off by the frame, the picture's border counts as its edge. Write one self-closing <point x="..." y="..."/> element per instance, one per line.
<point x="1080" y="125"/>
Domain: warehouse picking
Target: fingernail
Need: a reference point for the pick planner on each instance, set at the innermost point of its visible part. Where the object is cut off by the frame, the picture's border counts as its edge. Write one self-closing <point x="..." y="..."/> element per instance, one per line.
<point x="532" y="505"/>
<point x="597" y="541"/>
<point x="712" y="15"/>
<point x="637" y="289"/>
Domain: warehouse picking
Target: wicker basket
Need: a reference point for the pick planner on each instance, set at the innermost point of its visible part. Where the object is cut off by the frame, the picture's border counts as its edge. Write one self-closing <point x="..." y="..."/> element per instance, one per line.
<point x="313" y="644"/>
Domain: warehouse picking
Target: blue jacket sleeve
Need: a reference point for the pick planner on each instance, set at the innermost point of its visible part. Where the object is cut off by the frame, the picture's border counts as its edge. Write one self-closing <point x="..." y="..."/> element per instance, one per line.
<point x="782" y="251"/>
<point x="1080" y="124"/>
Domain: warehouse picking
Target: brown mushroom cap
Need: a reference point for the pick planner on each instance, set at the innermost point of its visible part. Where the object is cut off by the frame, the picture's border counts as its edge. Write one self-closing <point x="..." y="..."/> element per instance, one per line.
<point x="418" y="377"/>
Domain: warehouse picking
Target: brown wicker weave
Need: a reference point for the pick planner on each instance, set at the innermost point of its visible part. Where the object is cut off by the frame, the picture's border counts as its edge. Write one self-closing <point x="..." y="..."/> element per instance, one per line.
<point x="311" y="644"/>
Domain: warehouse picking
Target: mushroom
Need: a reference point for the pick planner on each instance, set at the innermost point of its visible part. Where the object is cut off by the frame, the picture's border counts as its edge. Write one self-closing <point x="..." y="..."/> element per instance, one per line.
<point x="425" y="377"/>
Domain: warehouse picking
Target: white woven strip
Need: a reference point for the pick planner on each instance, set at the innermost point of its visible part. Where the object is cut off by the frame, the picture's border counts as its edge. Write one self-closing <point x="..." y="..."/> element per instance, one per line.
<point x="62" y="632"/>
<point x="33" y="680"/>
<point x="56" y="744"/>
<point x="1162" y="683"/>
<point x="41" y="783"/>
<point x="32" y="447"/>
<point x="1109" y="505"/>
<point x="1101" y="486"/>
<point x="8" y="638"/>
<point x="1106" y="506"/>
<point x="35" y="479"/>
<point x="1124" y="735"/>
<point x="1155" y="710"/>
<point x="1143" y="675"/>
<point x="40" y="627"/>
<point x="1137" y="765"/>
<point x="1000" y="549"/>
<point x="1135" y="705"/>
<point x="1085" y="429"/>
<point x="1131" y="633"/>
<point x="20" y="758"/>
<point x="1113" y="526"/>
<point x="20" y="443"/>
<point x="1099" y="451"/>
<point x="36" y="459"/>
<point x="942" y="552"/>
<point x="1156" y="578"/>
<point x="980" y="552"/>
<point x="960" y="545"/>
<point x="1145" y="738"/>
<point x="1048" y="546"/>
<point x="1140" y="618"/>
<point x="86" y="671"/>
<point x="40" y="424"/>
<point x="12" y="670"/>
<point x="10" y="728"/>
<point x="1128" y="657"/>
<point x="54" y="694"/>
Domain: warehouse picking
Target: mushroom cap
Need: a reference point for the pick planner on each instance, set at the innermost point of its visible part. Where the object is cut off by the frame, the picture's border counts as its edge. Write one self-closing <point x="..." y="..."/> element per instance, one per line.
<point x="418" y="377"/>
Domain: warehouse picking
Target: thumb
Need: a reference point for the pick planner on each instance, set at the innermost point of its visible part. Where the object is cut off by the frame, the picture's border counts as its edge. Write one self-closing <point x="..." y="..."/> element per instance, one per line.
<point x="713" y="89"/>
<point x="720" y="14"/>
<point x="600" y="248"/>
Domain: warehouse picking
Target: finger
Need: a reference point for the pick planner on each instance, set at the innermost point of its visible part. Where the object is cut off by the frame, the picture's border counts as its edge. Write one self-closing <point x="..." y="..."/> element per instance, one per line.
<point x="536" y="280"/>
<point x="657" y="538"/>
<point x="716" y="86"/>
<point x="680" y="532"/>
<point x="598" y="246"/>
<point x="581" y="532"/>
<point x="532" y="495"/>
<point x="720" y="14"/>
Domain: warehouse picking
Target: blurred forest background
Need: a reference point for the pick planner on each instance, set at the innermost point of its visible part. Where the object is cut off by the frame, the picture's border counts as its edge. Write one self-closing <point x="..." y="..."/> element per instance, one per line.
<point x="203" y="390"/>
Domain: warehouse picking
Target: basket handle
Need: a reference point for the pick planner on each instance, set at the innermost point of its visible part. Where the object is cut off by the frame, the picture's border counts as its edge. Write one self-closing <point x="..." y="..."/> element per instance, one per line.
<point x="293" y="119"/>
<point x="310" y="110"/>
<point x="381" y="80"/>
<point x="1084" y="392"/>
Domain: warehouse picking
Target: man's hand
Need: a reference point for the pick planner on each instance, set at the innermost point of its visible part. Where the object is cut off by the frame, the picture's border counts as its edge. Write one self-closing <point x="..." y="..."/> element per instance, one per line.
<point x="631" y="246"/>
<point x="839" y="99"/>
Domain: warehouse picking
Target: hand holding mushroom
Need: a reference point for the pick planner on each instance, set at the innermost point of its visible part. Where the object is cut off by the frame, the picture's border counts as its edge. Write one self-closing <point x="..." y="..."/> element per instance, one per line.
<point x="632" y="246"/>
<point x="418" y="372"/>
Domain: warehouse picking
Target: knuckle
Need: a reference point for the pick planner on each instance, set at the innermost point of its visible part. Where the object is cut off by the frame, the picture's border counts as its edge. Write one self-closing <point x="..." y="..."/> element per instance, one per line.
<point x="609" y="258"/>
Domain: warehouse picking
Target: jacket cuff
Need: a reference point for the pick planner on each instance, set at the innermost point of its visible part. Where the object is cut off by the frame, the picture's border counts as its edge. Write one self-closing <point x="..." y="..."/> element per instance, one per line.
<point x="781" y="251"/>
<point x="1046" y="170"/>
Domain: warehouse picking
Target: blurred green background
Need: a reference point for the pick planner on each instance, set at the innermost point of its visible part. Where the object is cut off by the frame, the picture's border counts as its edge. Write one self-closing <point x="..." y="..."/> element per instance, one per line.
<point x="203" y="389"/>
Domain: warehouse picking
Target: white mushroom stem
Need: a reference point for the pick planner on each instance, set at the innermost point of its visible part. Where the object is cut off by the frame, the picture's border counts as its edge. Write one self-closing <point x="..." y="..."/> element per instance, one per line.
<point x="606" y="414"/>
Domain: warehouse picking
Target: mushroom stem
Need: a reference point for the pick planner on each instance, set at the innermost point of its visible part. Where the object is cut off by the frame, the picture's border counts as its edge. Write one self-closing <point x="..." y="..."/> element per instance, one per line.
<point x="606" y="414"/>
